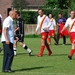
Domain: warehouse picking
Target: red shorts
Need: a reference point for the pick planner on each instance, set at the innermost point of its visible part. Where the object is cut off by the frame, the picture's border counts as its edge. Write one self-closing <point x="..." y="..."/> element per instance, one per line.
<point x="51" y="33"/>
<point x="72" y="37"/>
<point x="44" y="35"/>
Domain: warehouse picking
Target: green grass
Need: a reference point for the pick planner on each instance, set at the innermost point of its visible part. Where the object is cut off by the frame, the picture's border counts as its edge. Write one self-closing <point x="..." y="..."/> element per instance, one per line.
<point x="57" y="64"/>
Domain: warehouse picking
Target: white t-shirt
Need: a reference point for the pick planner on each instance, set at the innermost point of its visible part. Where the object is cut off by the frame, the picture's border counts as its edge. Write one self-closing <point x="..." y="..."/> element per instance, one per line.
<point x="68" y="24"/>
<point x="53" y="24"/>
<point x="8" y="22"/>
<point x="45" y="24"/>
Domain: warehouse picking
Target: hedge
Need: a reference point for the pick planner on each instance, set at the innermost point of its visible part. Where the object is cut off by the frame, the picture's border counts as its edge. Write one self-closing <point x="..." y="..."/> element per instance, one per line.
<point x="30" y="17"/>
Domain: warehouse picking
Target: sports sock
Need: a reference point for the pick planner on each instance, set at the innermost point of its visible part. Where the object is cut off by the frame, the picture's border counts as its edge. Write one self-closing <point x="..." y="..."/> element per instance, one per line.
<point x="26" y="48"/>
<point x="48" y="48"/>
<point x="72" y="52"/>
<point x="14" y="51"/>
<point x="42" y="50"/>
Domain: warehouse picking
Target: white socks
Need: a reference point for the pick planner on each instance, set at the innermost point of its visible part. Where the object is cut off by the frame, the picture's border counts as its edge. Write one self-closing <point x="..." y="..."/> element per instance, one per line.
<point x="14" y="51"/>
<point x="25" y="47"/>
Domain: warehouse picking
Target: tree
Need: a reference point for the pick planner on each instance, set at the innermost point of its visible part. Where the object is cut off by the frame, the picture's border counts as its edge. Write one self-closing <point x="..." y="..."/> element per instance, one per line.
<point x="19" y="4"/>
<point x="51" y="3"/>
<point x="61" y="4"/>
<point x="72" y="4"/>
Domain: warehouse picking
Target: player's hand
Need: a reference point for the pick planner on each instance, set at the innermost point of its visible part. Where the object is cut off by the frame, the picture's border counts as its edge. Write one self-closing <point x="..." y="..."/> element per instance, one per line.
<point x="45" y="29"/>
<point x="35" y="32"/>
<point x="7" y="42"/>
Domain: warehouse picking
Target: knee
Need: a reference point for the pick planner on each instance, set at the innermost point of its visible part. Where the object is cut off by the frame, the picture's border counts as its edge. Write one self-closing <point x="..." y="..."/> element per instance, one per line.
<point x="21" y="44"/>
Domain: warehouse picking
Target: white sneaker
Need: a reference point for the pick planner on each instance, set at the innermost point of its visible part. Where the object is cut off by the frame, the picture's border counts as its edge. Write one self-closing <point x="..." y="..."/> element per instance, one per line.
<point x="15" y="53"/>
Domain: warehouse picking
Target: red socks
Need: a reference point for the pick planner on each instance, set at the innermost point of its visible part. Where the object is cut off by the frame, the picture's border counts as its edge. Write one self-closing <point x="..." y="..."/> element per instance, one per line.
<point x="49" y="40"/>
<point x="42" y="50"/>
<point x="72" y="52"/>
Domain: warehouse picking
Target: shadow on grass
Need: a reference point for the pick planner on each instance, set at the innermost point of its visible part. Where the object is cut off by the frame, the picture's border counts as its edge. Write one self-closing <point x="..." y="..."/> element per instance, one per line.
<point x="59" y="55"/>
<point x="33" y="68"/>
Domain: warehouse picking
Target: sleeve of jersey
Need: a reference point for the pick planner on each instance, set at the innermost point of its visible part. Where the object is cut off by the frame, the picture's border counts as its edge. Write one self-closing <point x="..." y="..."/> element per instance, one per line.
<point x="67" y="23"/>
<point x="48" y="23"/>
<point x="54" y="22"/>
<point x="38" y="25"/>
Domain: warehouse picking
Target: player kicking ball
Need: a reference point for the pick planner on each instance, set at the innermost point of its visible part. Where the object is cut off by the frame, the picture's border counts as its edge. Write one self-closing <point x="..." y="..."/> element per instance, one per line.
<point x="19" y="31"/>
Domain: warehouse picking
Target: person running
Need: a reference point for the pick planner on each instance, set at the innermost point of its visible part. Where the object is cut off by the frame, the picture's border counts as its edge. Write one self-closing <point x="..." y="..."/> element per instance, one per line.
<point x="71" y="24"/>
<point x="42" y="23"/>
<point x="20" y="35"/>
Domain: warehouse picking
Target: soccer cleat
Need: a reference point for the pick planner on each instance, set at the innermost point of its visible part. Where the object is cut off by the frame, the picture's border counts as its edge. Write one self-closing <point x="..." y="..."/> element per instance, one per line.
<point x="39" y="55"/>
<point x="30" y="53"/>
<point x="70" y="57"/>
<point x="49" y="54"/>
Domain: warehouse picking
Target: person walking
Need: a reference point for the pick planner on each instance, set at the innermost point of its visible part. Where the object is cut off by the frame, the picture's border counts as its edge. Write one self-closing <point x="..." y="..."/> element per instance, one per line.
<point x="61" y="21"/>
<point x="19" y="35"/>
<point x="43" y="24"/>
<point x="71" y="24"/>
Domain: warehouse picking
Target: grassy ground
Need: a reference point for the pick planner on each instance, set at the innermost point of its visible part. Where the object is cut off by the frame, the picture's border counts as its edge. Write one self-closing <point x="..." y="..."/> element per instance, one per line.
<point x="57" y="64"/>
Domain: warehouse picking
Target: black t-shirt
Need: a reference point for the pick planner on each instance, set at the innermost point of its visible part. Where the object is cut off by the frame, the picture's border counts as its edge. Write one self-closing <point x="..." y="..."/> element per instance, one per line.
<point x="20" y="24"/>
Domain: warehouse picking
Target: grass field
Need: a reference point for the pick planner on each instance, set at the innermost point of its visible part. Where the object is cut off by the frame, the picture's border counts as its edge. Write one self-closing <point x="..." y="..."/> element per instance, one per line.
<point x="57" y="64"/>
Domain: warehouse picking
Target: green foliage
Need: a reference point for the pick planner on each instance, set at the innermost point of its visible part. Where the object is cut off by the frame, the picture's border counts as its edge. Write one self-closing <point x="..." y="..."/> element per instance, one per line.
<point x="72" y="4"/>
<point x="19" y="4"/>
<point x="30" y="17"/>
<point x="56" y="4"/>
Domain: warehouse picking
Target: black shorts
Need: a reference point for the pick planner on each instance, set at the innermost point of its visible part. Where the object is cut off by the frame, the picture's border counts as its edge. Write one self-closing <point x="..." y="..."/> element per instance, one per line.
<point x="21" y="38"/>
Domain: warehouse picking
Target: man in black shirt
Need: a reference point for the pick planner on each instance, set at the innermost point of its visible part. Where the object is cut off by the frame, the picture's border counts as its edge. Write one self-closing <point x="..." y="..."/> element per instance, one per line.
<point x="20" y="34"/>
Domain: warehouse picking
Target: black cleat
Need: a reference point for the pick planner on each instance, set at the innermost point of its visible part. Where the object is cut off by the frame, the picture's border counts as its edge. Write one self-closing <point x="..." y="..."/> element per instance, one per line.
<point x="70" y="57"/>
<point x="8" y="71"/>
<point x="30" y="54"/>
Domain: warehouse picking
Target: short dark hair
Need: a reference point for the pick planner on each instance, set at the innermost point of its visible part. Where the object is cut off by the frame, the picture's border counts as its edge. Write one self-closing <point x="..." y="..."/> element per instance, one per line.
<point x="41" y="9"/>
<point x="18" y="13"/>
<point x="60" y="13"/>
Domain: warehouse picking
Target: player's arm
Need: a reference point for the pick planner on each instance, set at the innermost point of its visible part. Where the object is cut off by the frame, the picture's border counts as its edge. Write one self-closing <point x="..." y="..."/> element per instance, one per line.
<point x="16" y="29"/>
<point x="38" y="26"/>
<point x="65" y="26"/>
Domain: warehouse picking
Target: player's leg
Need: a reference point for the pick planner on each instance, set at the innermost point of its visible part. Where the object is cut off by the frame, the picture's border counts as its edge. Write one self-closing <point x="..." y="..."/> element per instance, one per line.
<point x="48" y="48"/>
<point x="72" y="51"/>
<point x="26" y="48"/>
<point x="15" y="45"/>
<point x="49" y="39"/>
<point x="42" y="48"/>
<point x="43" y="37"/>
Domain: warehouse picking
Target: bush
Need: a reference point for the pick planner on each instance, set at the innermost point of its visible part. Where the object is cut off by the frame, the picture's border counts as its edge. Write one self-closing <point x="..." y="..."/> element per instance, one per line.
<point x="30" y="17"/>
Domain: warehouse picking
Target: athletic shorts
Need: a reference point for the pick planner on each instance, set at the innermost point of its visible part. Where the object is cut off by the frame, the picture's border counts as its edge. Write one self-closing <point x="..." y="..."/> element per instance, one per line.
<point x="51" y="33"/>
<point x="72" y="37"/>
<point x="21" y="38"/>
<point x="44" y="35"/>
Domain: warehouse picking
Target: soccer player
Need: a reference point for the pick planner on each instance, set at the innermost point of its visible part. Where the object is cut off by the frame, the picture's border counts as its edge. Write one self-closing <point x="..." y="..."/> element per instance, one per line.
<point x="20" y="35"/>
<point x="61" y="21"/>
<point x="52" y="29"/>
<point x="71" y="23"/>
<point x="43" y="24"/>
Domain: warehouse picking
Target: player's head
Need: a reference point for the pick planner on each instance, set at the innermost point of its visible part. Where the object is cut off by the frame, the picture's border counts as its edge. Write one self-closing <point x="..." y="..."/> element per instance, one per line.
<point x="50" y="15"/>
<point x="60" y="15"/>
<point x="72" y="14"/>
<point x="17" y="14"/>
<point x="41" y="12"/>
<point x="12" y="14"/>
